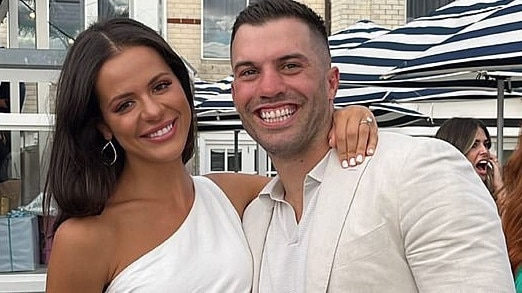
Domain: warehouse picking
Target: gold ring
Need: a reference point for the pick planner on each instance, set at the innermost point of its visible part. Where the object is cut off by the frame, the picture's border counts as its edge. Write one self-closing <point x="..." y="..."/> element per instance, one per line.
<point x="368" y="121"/>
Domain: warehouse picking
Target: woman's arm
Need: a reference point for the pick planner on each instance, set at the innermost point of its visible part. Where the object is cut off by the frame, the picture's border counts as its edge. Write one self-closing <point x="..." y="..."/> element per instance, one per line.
<point x="78" y="261"/>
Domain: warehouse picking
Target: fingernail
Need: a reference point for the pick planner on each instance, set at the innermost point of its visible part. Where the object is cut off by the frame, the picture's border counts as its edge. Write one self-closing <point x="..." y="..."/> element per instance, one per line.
<point x="371" y="151"/>
<point x="330" y="141"/>
<point x="344" y="164"/>
<point x="352" y="162"/>
<point x="359" y="158"/>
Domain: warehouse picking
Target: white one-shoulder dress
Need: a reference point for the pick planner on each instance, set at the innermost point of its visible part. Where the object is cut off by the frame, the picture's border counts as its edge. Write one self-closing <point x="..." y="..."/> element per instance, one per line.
<point x="208" y="253"/>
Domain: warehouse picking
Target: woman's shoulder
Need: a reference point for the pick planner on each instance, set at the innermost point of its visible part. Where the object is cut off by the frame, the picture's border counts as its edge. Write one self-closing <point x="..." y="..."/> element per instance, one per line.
<point x="241" y="189"/>
<point x="81" y="254"/>
<point x="83" y="238"/>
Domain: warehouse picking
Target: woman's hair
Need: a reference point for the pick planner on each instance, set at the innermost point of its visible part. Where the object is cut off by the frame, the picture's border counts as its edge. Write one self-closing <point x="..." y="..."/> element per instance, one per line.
<point x="511" y="205"/>
<point x="460" y="132"/>
<point x="79" y="179"/>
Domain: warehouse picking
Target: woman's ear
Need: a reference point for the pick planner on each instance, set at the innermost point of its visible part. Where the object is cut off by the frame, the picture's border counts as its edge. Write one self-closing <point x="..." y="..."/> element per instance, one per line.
<point x="104" y="130"/>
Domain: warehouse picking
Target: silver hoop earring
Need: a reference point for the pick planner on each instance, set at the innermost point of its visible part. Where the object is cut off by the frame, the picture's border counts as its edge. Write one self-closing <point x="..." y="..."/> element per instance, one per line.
<point x="114" y="153"/>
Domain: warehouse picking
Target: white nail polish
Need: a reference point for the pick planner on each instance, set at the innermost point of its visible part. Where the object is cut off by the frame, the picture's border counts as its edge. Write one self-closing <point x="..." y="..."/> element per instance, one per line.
<point x="344" y="164"/>
<point x="370" y="152"/>
<point x="352" y="162"/>
<point x="359" y="158"/>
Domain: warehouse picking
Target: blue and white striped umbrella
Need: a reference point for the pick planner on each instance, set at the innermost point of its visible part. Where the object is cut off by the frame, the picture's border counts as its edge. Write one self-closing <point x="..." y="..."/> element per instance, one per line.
<point x="366" y="63"/>
<point x="213" y="95"/>
<point x="354" y="35"/>
<point x="492" y="43"/>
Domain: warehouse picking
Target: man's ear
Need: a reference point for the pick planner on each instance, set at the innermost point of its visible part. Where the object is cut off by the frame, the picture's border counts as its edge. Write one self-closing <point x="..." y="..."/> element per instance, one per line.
<point x="333" y="82"/>
<point x="104" y="130"/>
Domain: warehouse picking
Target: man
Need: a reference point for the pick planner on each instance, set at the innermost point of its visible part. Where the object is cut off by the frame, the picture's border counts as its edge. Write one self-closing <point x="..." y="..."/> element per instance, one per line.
<point x="412" y="218"/>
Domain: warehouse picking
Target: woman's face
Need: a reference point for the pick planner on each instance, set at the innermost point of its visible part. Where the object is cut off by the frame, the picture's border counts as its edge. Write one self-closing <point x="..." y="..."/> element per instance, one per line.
<point x="143" y="105"/>
<point x="478" y="155"/>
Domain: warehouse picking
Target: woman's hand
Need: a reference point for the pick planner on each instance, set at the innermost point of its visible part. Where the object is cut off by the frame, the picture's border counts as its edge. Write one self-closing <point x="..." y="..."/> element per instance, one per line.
<point x="496" y="179"/>
<point x="354" y="134"/>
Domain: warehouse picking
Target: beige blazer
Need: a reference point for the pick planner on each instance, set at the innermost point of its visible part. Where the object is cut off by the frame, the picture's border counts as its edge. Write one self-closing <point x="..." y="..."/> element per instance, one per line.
<point x="415" y="217"/>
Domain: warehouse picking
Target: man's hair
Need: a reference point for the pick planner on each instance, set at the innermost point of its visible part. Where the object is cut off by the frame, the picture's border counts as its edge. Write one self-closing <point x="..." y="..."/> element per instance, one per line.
<point x="266" y="10"/>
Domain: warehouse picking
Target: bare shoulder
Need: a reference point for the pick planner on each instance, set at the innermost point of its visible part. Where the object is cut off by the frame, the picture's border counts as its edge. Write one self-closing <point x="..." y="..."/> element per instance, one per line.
<point x="241" y="189"/>
<point x="80" y="257"/>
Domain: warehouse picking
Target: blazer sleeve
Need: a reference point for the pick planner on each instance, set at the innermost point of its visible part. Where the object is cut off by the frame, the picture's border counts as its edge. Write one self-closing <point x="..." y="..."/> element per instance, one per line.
<point x="449" y="223"/>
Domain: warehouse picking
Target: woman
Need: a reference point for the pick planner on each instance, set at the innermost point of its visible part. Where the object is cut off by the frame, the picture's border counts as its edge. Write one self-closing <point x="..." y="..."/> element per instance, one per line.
<point x="471" y="137"/>
<point x="131" y="218"/>
<point x="511" y="211"/>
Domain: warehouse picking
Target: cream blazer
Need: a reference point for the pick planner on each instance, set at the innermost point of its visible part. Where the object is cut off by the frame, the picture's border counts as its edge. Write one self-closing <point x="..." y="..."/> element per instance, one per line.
<point x="415" y="217"/>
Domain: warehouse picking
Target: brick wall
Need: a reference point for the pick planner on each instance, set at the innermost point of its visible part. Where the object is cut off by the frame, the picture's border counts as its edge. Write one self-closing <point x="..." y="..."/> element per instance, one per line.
<point x="387" y="13"/>
<point x="184" y="35"/>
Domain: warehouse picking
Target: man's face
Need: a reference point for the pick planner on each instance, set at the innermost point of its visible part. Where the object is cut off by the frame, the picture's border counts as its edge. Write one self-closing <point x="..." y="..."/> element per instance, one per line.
<point x="283" y="86"/>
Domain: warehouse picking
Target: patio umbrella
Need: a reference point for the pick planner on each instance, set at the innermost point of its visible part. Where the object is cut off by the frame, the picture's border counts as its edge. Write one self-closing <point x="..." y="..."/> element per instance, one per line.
<point x="354" y="35"/>
<point x="459" y="30"/>
<point x="489" y="49"/>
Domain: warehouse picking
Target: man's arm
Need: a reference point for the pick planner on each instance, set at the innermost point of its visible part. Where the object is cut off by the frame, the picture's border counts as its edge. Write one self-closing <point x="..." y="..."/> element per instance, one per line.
<point x="451" y="230"/>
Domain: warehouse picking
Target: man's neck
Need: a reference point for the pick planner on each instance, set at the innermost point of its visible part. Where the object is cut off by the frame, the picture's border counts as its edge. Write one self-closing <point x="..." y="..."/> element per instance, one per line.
<point x="292" y="173"/>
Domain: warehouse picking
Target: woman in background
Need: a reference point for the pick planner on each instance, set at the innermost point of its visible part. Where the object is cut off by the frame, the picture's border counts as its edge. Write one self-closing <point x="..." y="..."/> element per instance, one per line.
<point x="471" y="137"/>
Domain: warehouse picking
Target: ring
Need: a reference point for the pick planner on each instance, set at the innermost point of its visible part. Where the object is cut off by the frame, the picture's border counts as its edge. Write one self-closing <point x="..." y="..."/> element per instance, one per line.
<point x="368" y="121"/>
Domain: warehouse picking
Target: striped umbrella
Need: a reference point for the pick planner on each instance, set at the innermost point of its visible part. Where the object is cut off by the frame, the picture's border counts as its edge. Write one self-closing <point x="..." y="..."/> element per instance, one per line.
<point x="354" y="35"/>
<point x="366" y="63"/>
<point x="487" y="52"/>
<point x="492" y="43"/>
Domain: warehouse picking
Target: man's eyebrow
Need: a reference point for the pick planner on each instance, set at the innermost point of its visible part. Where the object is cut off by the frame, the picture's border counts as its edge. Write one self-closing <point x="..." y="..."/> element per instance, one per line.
<point x="243" y="64"/>
<point x="280" y="59"/>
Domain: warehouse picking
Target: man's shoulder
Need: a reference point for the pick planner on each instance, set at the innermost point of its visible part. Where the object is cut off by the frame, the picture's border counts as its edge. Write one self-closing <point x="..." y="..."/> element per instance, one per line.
<point x="397" y="141"/>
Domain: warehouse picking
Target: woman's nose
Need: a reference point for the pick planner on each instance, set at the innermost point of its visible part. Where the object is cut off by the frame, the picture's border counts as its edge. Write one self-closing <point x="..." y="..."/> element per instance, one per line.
<point x="151" y="108"/>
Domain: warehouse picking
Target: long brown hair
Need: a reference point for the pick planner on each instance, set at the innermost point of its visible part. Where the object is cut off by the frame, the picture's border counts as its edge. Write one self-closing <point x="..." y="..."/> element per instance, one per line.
<point x="79" y="180"/>
<point x="511" y="205"/>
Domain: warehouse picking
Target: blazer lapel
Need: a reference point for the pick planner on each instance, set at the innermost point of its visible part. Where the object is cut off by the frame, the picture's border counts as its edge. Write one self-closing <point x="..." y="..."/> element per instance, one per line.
<point x="334" y="201"/>
<point x="256" y="220"/>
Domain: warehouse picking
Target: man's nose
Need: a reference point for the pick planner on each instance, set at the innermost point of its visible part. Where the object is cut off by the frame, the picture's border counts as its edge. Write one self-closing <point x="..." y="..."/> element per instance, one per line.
<point x="272" y="84"/>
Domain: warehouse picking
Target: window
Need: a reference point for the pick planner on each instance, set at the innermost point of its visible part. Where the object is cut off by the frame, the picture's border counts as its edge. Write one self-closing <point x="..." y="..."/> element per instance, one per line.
<point x="218" y="19"/>
<point x="418" y="8"/>
<point x="224" y="160"/>
<point x="113" y="8"/>
<point x="65" y="22"/>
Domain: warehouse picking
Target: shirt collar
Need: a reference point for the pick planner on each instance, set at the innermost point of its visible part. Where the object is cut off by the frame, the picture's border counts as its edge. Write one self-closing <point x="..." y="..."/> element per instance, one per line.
<point x="274" y="189"/>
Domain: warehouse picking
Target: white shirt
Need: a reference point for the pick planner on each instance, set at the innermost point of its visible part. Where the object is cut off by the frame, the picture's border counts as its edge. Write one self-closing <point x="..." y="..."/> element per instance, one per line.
<point x="283" y="265"/>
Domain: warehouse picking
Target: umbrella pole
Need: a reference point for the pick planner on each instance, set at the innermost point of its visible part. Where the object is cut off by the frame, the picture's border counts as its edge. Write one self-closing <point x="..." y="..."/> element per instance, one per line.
<point x="236" y="151"/>
<point x="500" y="119"/>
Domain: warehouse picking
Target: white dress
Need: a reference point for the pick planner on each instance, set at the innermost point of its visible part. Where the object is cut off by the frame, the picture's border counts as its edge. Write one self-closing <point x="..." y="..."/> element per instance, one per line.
<point x="208" y="253"/>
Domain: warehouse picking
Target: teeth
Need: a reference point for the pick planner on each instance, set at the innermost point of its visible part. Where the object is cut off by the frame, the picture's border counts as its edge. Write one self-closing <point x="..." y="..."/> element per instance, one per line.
<point x="161" y="131"/>
<point x="278" y="115"/>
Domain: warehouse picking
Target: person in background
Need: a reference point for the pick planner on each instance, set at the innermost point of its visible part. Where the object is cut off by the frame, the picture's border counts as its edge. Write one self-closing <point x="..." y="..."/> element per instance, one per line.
<point x="511" y="210"/>
<point x="130" y="216"/>
<point x="471" y="137"/>
<point x="414" y="217"/>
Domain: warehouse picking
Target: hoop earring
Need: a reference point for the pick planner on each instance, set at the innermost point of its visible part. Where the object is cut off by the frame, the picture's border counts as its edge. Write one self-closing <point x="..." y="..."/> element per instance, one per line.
<point x="114" y="153"/>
